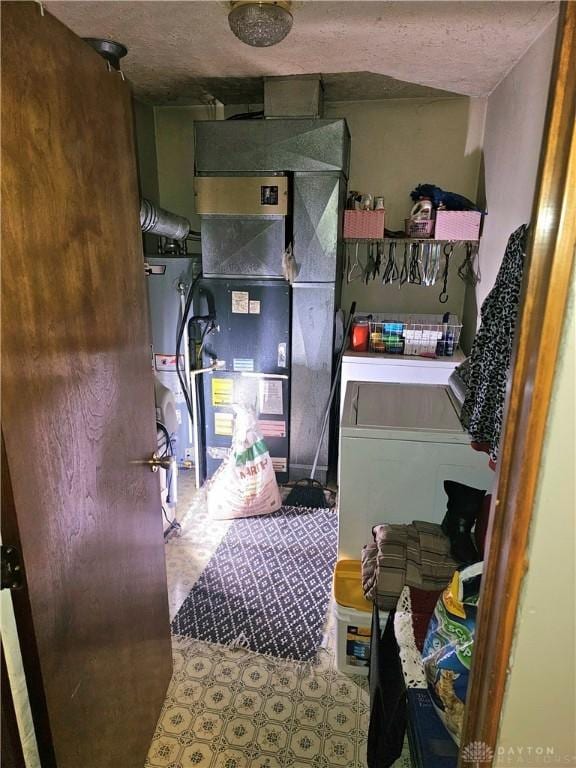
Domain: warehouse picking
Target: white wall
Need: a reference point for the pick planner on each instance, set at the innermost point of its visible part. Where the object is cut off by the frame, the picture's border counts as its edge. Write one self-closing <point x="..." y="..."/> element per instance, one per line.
<point x="399" y="143"/>
<point x="540" y="704"/>
<point x="145" y="129"/>
<point x="396" y="145"/>
<point x="512" y="138"/>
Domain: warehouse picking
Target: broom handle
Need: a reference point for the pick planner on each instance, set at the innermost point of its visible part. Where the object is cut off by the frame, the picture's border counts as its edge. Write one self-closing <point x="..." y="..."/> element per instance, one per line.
<point x="333" y="390"/>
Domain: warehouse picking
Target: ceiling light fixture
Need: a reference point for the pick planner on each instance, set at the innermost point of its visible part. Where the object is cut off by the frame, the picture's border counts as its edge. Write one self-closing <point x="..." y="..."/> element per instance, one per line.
<point x="260" y="24"/>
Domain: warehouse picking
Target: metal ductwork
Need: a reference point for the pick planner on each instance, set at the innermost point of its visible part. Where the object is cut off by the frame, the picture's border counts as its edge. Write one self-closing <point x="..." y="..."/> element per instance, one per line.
<point x="157" y="221"/>
<point x="293" y="96"/>
<point x="246" y="163"/>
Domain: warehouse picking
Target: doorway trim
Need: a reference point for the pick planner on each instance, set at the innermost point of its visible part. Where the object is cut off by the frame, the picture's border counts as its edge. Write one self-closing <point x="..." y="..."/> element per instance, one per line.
<point x="549" y="260"/>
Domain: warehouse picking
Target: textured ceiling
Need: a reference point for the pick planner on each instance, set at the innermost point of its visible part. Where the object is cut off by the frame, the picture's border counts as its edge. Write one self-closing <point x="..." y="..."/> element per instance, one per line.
<point x="338" y="86"/>
<point x="184" y="53"/>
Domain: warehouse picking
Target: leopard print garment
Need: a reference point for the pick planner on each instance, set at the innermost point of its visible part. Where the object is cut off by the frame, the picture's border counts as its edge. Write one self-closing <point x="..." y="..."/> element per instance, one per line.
<point x="485" y="372"/>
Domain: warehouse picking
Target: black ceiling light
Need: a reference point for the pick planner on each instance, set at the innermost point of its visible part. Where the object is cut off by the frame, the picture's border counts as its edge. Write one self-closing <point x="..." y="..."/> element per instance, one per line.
<point x="260" y="24"/>
<point x="108" y="49"/>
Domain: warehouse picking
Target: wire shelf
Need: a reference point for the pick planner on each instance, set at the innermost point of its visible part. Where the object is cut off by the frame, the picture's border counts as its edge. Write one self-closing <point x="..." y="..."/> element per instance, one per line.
<point x="420" y="335"/>
<point x="404" y="240"/>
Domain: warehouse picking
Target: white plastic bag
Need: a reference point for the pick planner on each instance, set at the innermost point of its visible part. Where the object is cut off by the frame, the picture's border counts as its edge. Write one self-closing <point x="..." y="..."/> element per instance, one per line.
<point x="244" y="484"/>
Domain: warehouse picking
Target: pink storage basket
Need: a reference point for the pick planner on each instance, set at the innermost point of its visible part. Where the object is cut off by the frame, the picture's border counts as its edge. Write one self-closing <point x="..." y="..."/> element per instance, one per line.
<point x="364" y="225"/>
<point x="457" y="225"/>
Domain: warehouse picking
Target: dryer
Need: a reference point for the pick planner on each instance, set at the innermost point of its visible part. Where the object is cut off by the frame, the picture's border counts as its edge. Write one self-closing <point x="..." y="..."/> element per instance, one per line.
<point x="398" y="444"/>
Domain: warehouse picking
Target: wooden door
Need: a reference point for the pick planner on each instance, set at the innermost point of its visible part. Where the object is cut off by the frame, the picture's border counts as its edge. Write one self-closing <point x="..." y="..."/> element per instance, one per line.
<point x="78" y="401"/>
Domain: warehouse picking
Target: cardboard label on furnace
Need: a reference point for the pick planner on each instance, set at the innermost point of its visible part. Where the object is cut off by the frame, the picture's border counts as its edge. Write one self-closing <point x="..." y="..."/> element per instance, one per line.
<point x="240" y="302"/>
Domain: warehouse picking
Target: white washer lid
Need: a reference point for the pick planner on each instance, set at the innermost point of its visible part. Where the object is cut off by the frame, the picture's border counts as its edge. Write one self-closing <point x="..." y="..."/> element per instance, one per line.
<point x="416" y="407"/>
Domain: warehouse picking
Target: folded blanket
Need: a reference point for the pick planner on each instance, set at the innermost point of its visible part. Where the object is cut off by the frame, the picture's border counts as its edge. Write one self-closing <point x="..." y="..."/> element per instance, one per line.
<point x="414" y="555"/>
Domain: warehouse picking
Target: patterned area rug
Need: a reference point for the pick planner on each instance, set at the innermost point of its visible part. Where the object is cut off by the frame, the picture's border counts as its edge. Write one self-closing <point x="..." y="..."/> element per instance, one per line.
<point x="267" y="586"/>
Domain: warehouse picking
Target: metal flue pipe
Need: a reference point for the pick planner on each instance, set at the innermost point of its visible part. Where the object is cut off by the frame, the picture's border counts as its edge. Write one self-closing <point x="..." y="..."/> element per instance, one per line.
<point x="157" y="221"/>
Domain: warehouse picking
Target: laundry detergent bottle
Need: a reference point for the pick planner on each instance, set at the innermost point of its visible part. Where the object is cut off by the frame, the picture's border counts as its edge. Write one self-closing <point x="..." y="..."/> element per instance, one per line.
<point x="422" y="210"/>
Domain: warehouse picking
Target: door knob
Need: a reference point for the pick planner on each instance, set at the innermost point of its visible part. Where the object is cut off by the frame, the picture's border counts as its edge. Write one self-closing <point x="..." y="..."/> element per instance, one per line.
<point x="155" y="462"/>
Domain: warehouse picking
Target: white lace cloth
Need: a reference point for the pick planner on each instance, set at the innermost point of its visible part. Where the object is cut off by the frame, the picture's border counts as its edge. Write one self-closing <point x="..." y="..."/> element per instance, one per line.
<point x="410" y="658"/>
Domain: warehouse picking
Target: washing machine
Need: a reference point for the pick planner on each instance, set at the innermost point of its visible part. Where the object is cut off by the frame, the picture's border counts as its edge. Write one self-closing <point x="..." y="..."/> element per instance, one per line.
<point x="398" y="444"/>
